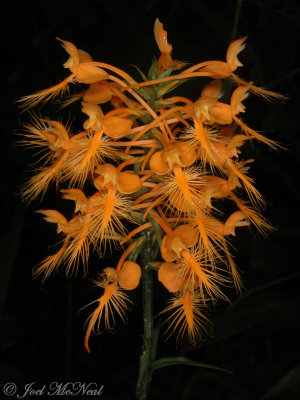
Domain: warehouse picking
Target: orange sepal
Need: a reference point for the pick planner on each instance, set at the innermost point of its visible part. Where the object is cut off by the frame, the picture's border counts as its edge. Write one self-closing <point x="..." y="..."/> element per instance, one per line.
<point x="117" y="127"/>
<point x="187" y="234"/>
<point x="97" y="94"/>
<point x="158" y="165"/>
<point x="86" y="73"/>
<point x="221" y="113"/>
<point x="169" y="276"/>
<point x="187" y="155"/>
<point x="214" y="89"/>
<point x="130" y="275"/>
<point x="84" y="56"/>
<point x="128" y="182"/>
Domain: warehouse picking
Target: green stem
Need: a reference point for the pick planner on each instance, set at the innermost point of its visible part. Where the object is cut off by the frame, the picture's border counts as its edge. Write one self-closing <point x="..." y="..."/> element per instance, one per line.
<point x="236" y="20"/>
<point x="146" y="359"/>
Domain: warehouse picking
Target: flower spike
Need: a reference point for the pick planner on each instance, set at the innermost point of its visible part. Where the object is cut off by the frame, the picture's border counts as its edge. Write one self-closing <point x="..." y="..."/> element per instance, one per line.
<point x="162" y="173"/>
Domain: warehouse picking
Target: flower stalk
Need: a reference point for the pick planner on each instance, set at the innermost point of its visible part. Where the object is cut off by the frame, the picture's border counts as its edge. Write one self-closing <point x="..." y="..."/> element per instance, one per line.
<point x="146" y="359"/>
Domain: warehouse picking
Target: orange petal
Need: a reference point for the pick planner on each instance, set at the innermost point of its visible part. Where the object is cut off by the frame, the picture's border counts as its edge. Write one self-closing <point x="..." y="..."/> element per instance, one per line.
<point x="221" y="113"/>
<point x="111" y="274"/>
<point x="58" y="129"/>
<point x="55" y="217"/>
<point x="203" y="106"/>
<point x="167" y="253"/>
<point x="237" y="97"/>
<point x="117" y="127"/>
<point x="233" y="50"/>
<point x="72" y="50"/>
<point x="108" y="176"/>
<point x="169" y="276"/>
<point x="130" y="275"/>
<point x="236" y="219"/>
<point x="128" y="182"/>
<point x="95" y="115"/>
<point x="98" y="183"/>
<point x="161" y="37"/>
<point x="158" y="165"/>
<point x="76" y="195"/>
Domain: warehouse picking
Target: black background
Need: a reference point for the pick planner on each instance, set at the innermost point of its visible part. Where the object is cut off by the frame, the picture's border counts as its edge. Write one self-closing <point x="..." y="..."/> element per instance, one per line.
<point x="41" y="331"/>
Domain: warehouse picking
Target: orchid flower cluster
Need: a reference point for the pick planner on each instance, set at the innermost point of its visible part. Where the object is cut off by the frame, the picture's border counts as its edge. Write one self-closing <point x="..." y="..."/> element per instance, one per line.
<point x="164" y="163"/>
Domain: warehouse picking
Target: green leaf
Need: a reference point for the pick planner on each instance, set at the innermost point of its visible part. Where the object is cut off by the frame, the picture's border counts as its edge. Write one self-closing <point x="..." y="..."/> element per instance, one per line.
<point x="147" y="93"/>
<point x="137" y="167"/>
<point x="264" y="305"/>
<point x="140" y="72"/>
<point x="157" y="230"/>
<point x="8" y="251"/>
<point x="166" y="87"/>
<point x="168" y="361"/>
<point x="167" y="72"/>
<point x="8" y="373"/>
<point x="135" y="253"/>
<point x="288" y="385"/>
<point x="153" y="71"/>
<point x="262" y="287"/>
<point x="9" y="333"/>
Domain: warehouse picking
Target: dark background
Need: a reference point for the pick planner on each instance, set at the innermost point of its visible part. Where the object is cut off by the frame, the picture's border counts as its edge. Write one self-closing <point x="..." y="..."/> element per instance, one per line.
<point x="41" y="327"/>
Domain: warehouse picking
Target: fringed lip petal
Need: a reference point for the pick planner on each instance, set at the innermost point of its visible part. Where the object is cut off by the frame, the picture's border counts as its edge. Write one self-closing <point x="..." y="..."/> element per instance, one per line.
<point x="179" y="203"/>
